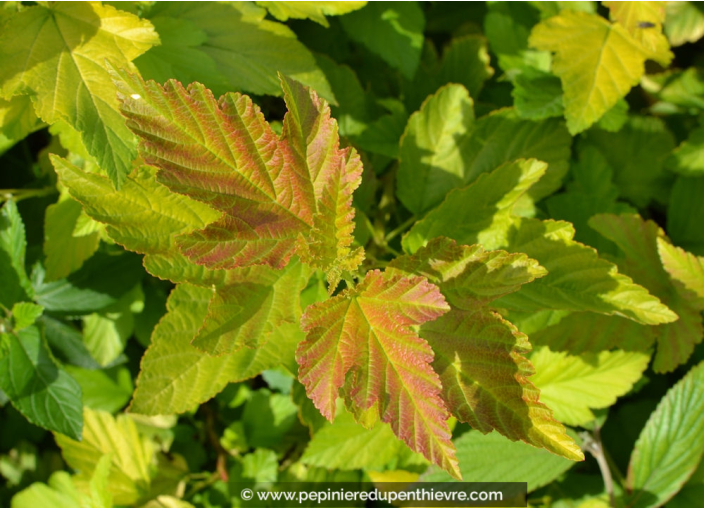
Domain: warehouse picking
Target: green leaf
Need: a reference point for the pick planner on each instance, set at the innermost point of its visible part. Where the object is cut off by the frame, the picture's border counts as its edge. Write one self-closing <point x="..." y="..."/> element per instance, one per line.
<point x="276" y="195"/>
<point x="684" y="22"/>
<point x="65" y="252"/>
<point x="24" y="315"/>
<point x="13" y="245"/>
<point x="637" y="240"/>
<point x="572" y="385"/>
<point x="537" y="95"/>
<point x="392" y="30"/>
<point x="232" y="48"/>
<point x="465" y="61"/>
<point x="103" y="390"/>
<point x="685" y="268"/>
<point x="130" y="455"/>
<point x="315" y="11"/>
<point x="633" y="16"/>
<point x="267" y="418"/>
<point x="597" y="62"/>
<point x="590" y="192"/>
<point x="636" y="154"/>
<point x="102" y="281"/>
<point x="692" y="491"/>
<point x="105" y="334"/>
<point x="507" y="25"/>
<point x="501" y="137"/>
<point x="45" y="394"/>
<point x="688" y="159"/>
<point x="491" y="457"/>
<point x="260" y="466"/>
<point x="683" y="213"/>
<point x="57" y="54"/>
<point x="588" y="332"/>
<point x="431" y="158"/>
<point x="671" y="444"/>
<point x="345" y="444"/>
<point x="368" y="331"/>
<point x="254" y="303"/>
<point x="382" y="135"/>
<point x="66" y="343"/>
<point x="176" y="376"/>
<point x="156" y="215"/>
<point x="481" y="212"/>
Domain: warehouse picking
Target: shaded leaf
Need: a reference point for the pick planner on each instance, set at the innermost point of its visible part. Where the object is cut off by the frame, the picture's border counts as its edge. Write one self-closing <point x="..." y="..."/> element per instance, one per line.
<point x="233" y="41"/>
<point x="491" y="457"/>
<point x="637" y="240"/>
<point x="13" y="245"/>
<point x="176" y="376"/>
<point x="44" y="393"/>
<point x="392" y="30"/>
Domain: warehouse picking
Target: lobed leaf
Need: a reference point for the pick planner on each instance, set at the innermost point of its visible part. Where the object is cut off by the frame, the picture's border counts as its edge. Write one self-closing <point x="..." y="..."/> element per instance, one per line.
<point x="644" y="21"/>
<point x="57" y="54"/>
<point x="366" y="334"/>
<point x="685" y="268"/>
<point x="175" y="376"/>
<point x="638" y="241"/>
<point x="274" y="193"/>
<point x="597" y="62"/>
<point x="13" y="245"/>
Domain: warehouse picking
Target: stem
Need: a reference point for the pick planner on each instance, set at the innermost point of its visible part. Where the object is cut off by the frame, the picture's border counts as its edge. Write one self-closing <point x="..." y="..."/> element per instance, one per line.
<point x="21" y="194"/>
<point x="593" y="445"/>
<point x="410" y="221"/>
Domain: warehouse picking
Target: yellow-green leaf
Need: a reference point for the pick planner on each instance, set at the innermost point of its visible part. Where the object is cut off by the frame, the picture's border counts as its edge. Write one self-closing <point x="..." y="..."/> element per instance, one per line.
<point x="644" y="20"/>
<point x="57" y="54"/>
<point x="598" y="62"/>
<point x="573" y="385"/>
<point x="315" y="11"/>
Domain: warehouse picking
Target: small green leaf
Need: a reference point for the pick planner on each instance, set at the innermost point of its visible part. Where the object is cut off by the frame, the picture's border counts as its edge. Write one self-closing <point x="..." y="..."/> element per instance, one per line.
<point x="392" y="30"/>
<point x="537" y="95"/>
<point x="267" y="417"/>
<point x="45" y="394"/>
<point x="572" y="385"/>
<point x="683" y="213"/>
<point x="24" y="315"/>
<point x="492" y="457"/>
<point x="671" y="444"/>
<point x="103" y="390"/>
<point x="688" y="158"/>
<point x="684" y="22"/>
<point x="13" y="245"/>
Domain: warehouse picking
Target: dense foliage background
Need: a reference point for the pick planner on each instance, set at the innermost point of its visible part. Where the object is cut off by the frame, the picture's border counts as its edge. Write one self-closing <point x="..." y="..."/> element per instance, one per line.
<point x="542" y="128"/>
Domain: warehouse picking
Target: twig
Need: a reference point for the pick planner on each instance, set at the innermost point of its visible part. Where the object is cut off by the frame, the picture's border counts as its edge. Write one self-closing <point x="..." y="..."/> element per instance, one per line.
<point x="593" y="445"/>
